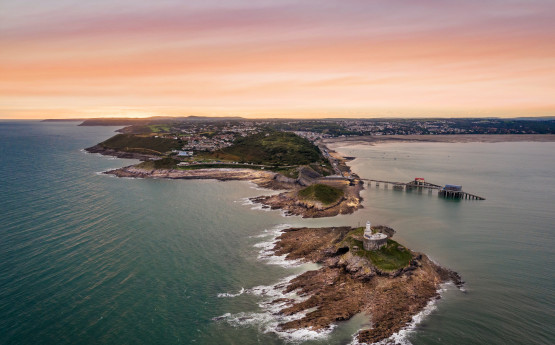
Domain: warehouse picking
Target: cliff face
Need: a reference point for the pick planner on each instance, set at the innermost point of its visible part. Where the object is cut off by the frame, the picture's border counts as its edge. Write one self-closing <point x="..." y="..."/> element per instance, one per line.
<point x="348" y="284"/>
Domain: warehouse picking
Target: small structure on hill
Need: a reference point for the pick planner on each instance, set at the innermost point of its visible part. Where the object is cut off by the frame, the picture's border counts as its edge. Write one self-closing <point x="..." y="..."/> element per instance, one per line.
<point x="373" y="241"/>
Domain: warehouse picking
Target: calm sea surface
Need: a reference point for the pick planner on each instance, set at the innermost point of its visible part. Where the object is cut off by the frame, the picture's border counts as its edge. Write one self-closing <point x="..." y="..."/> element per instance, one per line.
<point x="87" y="258"/>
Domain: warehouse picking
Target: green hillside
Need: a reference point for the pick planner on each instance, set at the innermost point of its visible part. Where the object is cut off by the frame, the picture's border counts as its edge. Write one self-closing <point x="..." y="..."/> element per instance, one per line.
<point x="322" y="193"/>
<point x="273" y="148"/>
<point x="391" y="257"/>
<point x="143" y="144"/>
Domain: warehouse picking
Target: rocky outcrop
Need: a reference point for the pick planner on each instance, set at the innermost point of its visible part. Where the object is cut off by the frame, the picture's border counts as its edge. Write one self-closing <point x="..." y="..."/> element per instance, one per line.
<point x="349" y="284"/>
<point x="293" y="205"/>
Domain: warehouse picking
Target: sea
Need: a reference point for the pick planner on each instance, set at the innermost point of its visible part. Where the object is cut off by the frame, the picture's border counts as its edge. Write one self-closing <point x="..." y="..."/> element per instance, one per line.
<point x="88" y="258"/>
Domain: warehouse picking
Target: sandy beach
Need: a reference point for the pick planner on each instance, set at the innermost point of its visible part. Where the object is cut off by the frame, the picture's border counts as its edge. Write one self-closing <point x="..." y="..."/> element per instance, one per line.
<point x="455" y="138"/>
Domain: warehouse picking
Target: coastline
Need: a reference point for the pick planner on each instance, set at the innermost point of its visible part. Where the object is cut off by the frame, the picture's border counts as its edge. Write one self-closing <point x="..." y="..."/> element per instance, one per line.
<point x="451" y="138"/>
<point x="287" y="201"/>
<point x="346" y="284"/>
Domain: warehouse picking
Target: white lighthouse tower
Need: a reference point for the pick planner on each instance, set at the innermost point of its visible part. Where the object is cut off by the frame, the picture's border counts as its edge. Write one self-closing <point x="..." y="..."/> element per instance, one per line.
<point x="367" y="231"/>
<point x="373" y="241"/>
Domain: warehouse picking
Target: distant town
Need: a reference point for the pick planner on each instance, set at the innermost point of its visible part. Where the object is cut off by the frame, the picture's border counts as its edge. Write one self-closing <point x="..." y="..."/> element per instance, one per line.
<point x="211" y="134"/>
<point x="281" y="145"/>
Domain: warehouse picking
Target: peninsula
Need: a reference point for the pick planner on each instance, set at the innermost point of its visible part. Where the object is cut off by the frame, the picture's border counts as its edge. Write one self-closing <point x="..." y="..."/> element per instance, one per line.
<point x="292" y="155"/>
<point x="315" y="180"/>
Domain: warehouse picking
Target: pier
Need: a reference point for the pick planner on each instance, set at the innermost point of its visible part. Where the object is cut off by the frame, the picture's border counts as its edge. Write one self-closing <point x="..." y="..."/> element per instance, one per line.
<point x="447" y="191"/>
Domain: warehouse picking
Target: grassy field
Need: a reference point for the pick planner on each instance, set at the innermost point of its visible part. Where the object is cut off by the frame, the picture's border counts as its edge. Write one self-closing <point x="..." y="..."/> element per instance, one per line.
<point x="391" y="257"/>
<point x="143" y="144"/>
<point x="159" y="128"/>
<point x="273" y="148"/>
<point x="322" y="193"/>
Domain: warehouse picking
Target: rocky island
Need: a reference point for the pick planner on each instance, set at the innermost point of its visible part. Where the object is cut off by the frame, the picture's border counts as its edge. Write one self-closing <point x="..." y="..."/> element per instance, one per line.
<point x="390" y="284"/>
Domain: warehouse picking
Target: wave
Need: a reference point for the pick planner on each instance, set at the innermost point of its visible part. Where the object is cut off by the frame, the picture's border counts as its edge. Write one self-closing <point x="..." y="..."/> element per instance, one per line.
<point x="273" y="298"/>
<point x="267" y="253"/>
<point x="246" y="201"/>
<point x="254" y="205"/>
<point x="268" y="320"/>
<point x="227" y="294"/>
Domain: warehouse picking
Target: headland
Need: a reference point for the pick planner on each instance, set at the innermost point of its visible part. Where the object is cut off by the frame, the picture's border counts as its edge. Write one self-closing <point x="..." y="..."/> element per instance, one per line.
<point x="315" y="180"/>
<point x="391" y="284"/>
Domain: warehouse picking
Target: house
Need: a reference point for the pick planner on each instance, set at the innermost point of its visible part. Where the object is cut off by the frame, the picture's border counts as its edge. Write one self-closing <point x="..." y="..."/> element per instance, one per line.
<point x="184" y="153"/>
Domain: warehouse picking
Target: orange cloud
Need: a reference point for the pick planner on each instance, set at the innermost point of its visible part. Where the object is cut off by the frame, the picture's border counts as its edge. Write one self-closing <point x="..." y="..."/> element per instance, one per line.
<point x="471" y="60"/>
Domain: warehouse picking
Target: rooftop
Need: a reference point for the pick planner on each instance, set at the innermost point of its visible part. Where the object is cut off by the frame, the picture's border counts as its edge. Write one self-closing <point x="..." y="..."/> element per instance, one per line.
<point x="376" y="236"/>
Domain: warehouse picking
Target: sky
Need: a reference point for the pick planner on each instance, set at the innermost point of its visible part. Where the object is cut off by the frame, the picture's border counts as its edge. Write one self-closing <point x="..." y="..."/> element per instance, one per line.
<point x="277" y="58"/>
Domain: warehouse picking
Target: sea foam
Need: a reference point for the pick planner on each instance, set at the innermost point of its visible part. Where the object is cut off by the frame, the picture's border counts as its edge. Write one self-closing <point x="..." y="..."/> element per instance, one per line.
<point x="269" y="318"/>
<point x="267" y="253"/>
<point x="273" y="298"/>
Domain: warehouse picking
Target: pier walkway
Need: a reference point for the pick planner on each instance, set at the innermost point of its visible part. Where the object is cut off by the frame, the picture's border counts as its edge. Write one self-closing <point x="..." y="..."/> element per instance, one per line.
<point x="416" y="184"/>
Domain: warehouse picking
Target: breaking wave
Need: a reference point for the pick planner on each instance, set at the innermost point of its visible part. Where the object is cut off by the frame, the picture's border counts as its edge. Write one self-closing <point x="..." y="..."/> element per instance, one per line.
<point x="227" y="294"/>
<point x="266" y="248"/>
<point x="274" y="298"/>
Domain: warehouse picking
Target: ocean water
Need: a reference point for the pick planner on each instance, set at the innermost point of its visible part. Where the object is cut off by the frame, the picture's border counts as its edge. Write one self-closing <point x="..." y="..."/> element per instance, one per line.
<point x="87" y="258"/>
<point x="504" y="246"/>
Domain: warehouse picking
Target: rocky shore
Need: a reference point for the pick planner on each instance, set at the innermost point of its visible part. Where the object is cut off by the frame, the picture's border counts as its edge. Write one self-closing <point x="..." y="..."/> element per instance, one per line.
<point x="348" y="283"/>
<point x="262" y="178"/>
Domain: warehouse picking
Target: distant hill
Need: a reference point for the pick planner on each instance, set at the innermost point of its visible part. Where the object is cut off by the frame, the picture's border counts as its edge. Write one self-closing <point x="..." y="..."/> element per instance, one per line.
<point x="127" y="121"/>
<point x="142" y="144"/>
<point x="62" y="120"/>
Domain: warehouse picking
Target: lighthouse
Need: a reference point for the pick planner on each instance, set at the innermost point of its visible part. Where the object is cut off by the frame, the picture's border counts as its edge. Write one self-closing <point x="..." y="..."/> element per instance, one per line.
<point x="372" y="241"/>
<point x="368" y="231"/>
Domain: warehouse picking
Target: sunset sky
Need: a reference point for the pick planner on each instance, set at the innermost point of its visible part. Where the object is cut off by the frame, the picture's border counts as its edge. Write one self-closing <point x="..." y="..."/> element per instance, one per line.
<point x="261" y="58"/>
